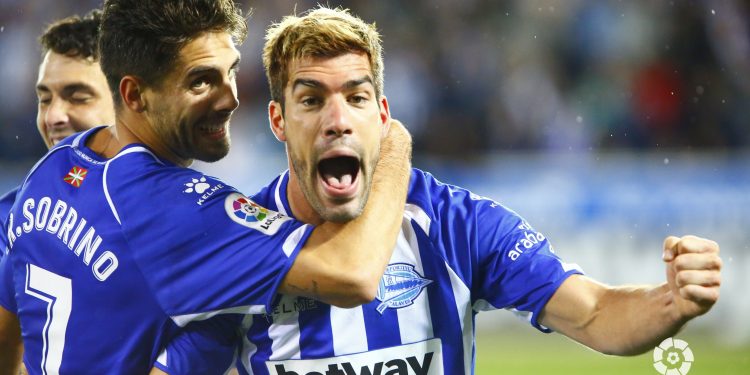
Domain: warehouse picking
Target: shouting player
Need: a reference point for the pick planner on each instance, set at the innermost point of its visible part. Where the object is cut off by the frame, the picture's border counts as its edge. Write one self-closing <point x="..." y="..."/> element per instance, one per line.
<point x="115" y="244"/>
<point x="457" y="253"/>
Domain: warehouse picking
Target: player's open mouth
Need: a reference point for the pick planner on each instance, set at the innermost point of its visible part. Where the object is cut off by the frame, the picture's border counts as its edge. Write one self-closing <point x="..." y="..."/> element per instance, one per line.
<point x="338" y="176"/>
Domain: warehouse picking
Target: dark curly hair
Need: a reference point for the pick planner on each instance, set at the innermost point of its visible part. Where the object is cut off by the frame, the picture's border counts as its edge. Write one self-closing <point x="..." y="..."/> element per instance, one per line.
<point x="73" y="36"/>
<point x="143" y="38"/>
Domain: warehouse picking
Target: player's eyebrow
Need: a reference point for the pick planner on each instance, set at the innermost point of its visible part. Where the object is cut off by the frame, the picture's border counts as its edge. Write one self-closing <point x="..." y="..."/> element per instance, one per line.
<point x="357" y="82"/>
<point x="72" y="88"/>
<point x="315" y="84"/>
<point x="68" y="89"/>
<point x="197" y="70"/>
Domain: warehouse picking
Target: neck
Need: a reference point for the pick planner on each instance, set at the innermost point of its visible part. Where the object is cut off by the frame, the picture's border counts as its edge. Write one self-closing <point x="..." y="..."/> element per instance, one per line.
<point x="105" y="142"/>
<point x="299" y="205"/>
<point x="136" y="128"/>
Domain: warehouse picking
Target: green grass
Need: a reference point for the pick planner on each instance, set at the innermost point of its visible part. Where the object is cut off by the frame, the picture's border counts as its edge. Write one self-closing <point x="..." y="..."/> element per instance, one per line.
<point x="528" y="352"/>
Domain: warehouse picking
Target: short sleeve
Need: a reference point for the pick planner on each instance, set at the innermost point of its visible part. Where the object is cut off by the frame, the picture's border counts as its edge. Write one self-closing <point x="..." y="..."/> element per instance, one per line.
<point x="517" y="266"/>
<point x="205" y="347"/>
<point x="504" y="262"/>
<point x="203" y="248"/>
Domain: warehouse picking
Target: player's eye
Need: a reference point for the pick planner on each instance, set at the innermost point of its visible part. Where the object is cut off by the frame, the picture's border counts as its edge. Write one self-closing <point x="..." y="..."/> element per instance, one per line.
<point x="310" y="101"/>
<point x="357" y="99"/>
<point x="80" y="98"/>
<point x="44" y="100"/>
<point x="199" y="83"/>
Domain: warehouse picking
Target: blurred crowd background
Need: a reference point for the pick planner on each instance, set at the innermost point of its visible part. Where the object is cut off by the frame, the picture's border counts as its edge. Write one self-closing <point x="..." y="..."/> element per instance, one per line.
<point x="474" y="76"/>
<point x="608" y="124"/>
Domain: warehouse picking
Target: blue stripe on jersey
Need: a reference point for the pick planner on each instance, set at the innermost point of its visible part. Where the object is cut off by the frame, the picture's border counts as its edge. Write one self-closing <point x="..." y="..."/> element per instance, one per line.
<point x="258" y="334"/>
<point x="442" y="305"/>
<point x="316" y="335"/>
<point x="377" y="337"/>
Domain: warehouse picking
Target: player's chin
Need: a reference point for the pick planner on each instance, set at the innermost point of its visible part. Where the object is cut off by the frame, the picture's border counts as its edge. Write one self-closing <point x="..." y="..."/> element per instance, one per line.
<point x="340" y="212"/>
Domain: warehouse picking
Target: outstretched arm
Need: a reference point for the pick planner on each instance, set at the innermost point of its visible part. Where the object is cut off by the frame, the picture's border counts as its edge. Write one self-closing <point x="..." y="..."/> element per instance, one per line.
<point x="10" y="341"/>
<point x="341" y="263"/>
<point x="629" y="320"/>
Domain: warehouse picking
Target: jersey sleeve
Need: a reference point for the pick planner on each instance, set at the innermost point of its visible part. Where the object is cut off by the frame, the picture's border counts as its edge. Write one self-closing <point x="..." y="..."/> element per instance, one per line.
<point x="517" y="266"/>
<point x="7" y="292"/>
<point x="204" y="248"/>
<point x="498" y="255"/>
<point x="205" y="347"/>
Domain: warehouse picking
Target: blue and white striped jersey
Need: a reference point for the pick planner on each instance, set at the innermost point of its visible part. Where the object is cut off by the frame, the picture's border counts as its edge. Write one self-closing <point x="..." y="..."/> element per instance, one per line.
<point x="109" y="258"/>
<point x="457" y="254"/>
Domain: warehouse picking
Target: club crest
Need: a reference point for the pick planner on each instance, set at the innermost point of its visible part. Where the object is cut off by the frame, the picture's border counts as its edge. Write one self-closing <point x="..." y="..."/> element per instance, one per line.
<point x="400" y="285"/>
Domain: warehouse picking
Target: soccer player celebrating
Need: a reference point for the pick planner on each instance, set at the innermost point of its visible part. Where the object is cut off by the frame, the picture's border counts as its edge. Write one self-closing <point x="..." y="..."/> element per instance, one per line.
<point x="71" y="88"/>
<point x="457" y="253"/>
<point x="115" y="244"/>
<point x="73" y="96"/>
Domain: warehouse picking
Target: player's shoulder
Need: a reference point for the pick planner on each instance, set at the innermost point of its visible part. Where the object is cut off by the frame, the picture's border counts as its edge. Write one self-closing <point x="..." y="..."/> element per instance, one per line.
<point x="140" y="184"/>
<point x="6" y="202"/>
<point x="428" y="192"/>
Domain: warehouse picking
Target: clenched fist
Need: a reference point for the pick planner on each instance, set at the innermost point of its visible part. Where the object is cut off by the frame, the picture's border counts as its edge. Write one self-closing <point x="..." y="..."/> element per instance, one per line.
<point x="693" y="274"/>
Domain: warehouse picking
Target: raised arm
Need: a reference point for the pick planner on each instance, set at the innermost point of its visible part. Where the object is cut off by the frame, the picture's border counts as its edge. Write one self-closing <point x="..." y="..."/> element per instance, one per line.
<point x="630" y="320"/>
<point x="341" y="263"/>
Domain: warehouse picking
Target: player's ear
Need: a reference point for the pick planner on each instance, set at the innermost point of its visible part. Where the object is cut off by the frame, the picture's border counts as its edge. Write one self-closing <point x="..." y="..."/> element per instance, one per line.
<point x="276" y="120"/>
<point x="385" y="115"/>
<point x="132" y="94"/>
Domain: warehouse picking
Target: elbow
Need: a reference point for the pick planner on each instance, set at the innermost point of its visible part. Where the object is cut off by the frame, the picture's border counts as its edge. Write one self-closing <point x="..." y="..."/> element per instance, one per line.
<point x="358" y="291"/>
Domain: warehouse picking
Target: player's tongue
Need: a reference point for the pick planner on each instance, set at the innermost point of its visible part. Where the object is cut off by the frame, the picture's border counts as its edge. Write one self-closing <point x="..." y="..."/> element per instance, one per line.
<point x="339" y="174"/>
<point x="341" y="182"/>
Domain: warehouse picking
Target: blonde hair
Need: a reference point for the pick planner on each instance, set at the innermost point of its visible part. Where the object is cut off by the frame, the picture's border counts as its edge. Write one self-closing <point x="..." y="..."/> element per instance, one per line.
<point x="320" y="32"/>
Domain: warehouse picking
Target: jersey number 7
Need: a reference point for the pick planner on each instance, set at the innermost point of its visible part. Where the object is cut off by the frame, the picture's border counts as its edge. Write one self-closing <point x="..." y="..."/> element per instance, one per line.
<point x="57" y="292"/>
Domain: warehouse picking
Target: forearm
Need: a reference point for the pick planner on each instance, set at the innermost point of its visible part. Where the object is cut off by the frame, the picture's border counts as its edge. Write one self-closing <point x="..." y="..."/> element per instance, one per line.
<point x="352" y="256"/>
<point x="626" y="320"/>
<point x="633" y="320"/>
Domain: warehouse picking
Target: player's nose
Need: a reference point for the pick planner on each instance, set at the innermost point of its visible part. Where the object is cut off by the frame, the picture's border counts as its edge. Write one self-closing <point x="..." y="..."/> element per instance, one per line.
<point x="227" y="100"/>
<point x="57" y="114"/>
<point x="337" y="119"/>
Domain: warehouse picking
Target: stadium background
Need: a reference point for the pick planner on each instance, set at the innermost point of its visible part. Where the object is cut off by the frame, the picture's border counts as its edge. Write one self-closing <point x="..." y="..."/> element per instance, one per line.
<point x="607" y="124"/>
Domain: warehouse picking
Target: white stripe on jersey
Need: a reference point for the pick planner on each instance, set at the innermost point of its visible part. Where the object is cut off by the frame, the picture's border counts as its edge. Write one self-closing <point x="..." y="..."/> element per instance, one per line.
<point x="293" y="239"/>
<point x="183" y="320"/>
<point x="248" y="348"/>
<point x="417" y="214"/>
<point x="277" y="194"/>
<point x="348" y="330"/>
<point x="285" y="333"/>
<point x="162" y="358"/>
<point x="106" y="168"/>
<point x="414" y="321"/>
<point x="462" y="294"/>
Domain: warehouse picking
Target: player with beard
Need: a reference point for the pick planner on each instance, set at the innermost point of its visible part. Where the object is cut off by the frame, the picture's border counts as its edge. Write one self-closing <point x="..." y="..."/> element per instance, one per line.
<point x="457" y="253"/>
<point x="115" y="244"/>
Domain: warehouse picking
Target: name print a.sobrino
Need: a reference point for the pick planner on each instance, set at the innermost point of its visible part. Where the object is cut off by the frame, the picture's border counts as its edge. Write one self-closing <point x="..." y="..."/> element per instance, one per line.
<point x="60" y="220"/>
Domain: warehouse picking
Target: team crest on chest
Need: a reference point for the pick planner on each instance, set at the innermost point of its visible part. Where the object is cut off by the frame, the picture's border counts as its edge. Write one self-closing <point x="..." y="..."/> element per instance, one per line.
<point x="400" y="286"/>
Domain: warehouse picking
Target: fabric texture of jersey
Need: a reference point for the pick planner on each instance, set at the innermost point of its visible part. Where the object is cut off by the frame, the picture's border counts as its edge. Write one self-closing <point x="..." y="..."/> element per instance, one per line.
<point x="109" y="258"/>
<point x="457" y="254"/>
